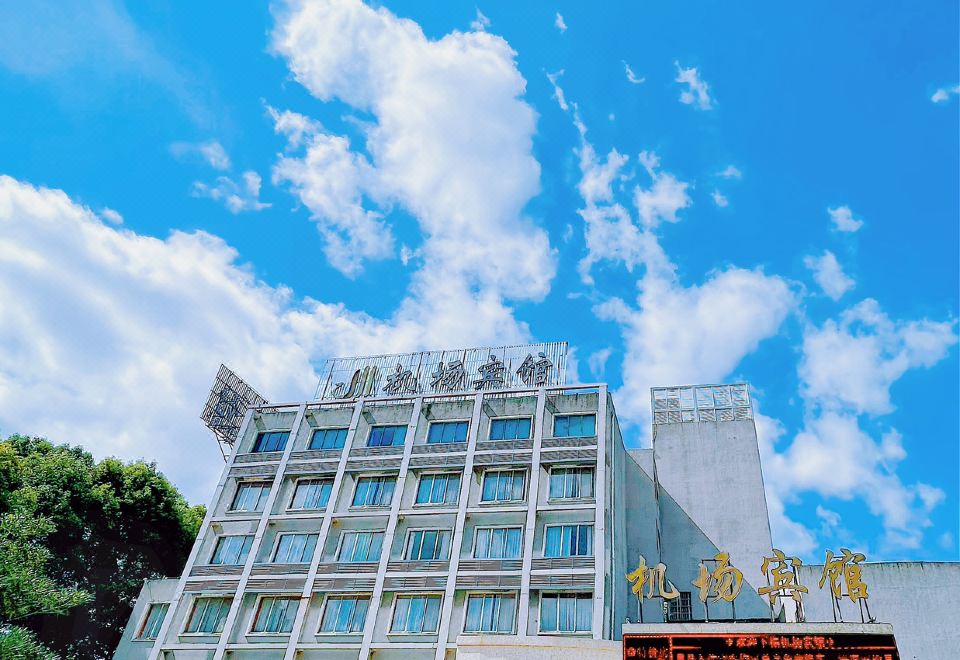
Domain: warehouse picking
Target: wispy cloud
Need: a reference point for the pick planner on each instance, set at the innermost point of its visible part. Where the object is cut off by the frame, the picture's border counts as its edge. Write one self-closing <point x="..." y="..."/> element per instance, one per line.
<point x="720" y="199"/>
<point x="631" y="76"/>
<point x="943" y="94"/>
<point x="237" y="195"/>
<point x="697" y="92"/>
<point x="843" y="219"/>
<point x="730" y="172"/>
<point x="211" y="151"/>
<point x="480" y="23"/>
<point x="559" y="23"/>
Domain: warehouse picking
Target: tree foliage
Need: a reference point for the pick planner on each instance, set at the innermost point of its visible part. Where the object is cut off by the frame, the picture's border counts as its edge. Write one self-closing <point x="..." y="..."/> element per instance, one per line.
<point x="101" y="529"/>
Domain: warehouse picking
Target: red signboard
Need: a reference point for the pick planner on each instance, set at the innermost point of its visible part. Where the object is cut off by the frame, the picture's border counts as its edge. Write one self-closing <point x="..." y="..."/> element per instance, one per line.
<point x="759" y="646"/>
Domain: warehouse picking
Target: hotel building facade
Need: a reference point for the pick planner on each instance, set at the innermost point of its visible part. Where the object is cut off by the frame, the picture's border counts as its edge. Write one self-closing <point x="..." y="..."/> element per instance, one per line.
<point x="501" y="514"/>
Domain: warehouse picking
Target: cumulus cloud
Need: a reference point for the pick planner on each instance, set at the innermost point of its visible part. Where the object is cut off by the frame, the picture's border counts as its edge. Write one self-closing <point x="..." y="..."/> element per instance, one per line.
<point x="843" y="219"/>
<point x="559" y="23"/>
<point x="111" y="216"/>
<point x="943" y="94"/>
<point x="238" y="195"/>
<point x="829" y="275"/>
<point x="697" y="92"/>
<point x="720" y="199"/>
<point x="631" y="76"/>
<point x="450" y="143"/>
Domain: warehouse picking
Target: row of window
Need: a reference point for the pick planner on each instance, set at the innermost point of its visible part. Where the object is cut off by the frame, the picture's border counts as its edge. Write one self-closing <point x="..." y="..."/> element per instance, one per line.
<point x="393" y="435"/>
<point x="412" y="614"/>
<point x="443" y="488"/>
<point x="562" y="540"/>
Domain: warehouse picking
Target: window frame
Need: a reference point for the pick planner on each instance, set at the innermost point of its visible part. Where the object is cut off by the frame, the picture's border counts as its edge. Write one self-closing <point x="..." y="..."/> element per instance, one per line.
<point x="680" y="607"/>
<point x="393" y="608"/>
<point x="374" y="475"/>
<point x="256" y="612"/>
<point x="216" y="545"/>
<point x="409" y="540"/>
<point x="575" y="414"/>
<point x="193" y="608"/>
<point x="342" y="536"/>
<point x="236" y="493"/>
<point x="296" y="484"/>
<point x="318" y="429"/>
<point x="434" y="422"/>
<point x="591" y="525"/>
<point x="256" y="439"/>
<point x="579" y="498"/>
<point x="566" y="633"/>
<point x="507" y="418"/>
<point x="380" y="426"/>
<point x="146" y="619"/>
<point x="435" y="473"/>
<point x="476" y="533"/>
<point x="526" y="484"/>
<point x="343" y="595"/>
<point x="516" y="613"/>
<point x="276" y="546"/>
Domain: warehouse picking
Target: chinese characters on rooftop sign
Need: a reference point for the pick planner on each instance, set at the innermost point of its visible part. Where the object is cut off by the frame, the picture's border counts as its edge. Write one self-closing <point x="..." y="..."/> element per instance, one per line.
<point x="760" y="646"/>
<point x="227" y="403"/>
<point x="443" y="372"/>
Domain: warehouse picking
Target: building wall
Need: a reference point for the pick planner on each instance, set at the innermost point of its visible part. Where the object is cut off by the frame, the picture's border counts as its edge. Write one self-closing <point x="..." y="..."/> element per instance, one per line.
<point x="132" y="644"/>
<point x="920" y="599"/>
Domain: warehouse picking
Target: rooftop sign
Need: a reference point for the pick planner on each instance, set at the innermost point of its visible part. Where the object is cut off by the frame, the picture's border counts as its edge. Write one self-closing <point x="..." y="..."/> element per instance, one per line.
<point x="465" y="370"/>
<point x="227" y="403"/>
<point x="760" y="646"/>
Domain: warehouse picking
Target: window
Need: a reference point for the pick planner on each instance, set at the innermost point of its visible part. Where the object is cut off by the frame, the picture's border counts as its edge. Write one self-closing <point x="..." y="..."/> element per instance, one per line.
<point x="387" y="436"/>
<point x="275" y="614"/>
<point x="443" y="432"/>
<point x="231" y="550"/>
<point x="566" y="613"/>
<point x="295" y="548"/>
<point x="344" y="614"/>
<point x="679" y="609"/>
<point x="502" y="486"/>
<point x="428" y="545"/>
<point x="271" y="441"/>
<point x="416" y="615"/>
<point x="574" y="426"/>
<point x="251" y="496"/>
<point x="374" y="491"/>
<point x="517" y="428"/>
<point x="311" y="494"/>
<point x="490" y="613"/>
<point x="208" y="615"/>
<point x="360" y="546"/>
<point x="571" y="483"/>
<point x="569" y="541"/>
<point x="438" y="489"/>
<point x="498" y="543"/>
<point x="154" y="619"/>
<point x="328" y="439"/>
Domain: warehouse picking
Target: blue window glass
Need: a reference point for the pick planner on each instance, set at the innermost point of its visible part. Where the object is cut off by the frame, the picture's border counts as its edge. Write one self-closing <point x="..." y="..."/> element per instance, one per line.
<point x="571" y="483"/>
<point x="295" y="548"/>
<point x="438" y="489"/>
<point x="231" y="550"/>
<point x="566" y="613"/>
<point x="374" y="491"/>
<point x="490" y="613"/>
<point x="517" y="428"/>
<point x="387" y="436"/>
<point x="271" y="441"/>
<point x="208" y="615"/>
<point x="360" y="547"/>
<point x="416" y="614"/>
<point x="498" y="543"/>
<point x="328" y="439"/>
<point x="429" y="545"/>
<point x="344" y="614"/>
<point x="574" y="426"/>
<point x="443" y="432"/>
<point x="568" y="541"/>
<point x="276" y="614"/>
<point x="311" y="494"/>
<point x="502" y="486"/>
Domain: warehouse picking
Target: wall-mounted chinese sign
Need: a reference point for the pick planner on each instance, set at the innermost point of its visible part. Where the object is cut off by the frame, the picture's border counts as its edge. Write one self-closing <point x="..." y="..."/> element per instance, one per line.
<point x="760" y="646"/>
<point x="464" y="370"/>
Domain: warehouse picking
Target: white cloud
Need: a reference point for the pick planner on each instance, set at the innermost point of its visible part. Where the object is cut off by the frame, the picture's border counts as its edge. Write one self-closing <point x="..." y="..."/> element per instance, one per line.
<point x="631" y="76"/>
<point x="664" y="198"/>
<point x="697" y="92"/>
<point x="731" y="172"/>
<point x="851" y="363"/>
<point x="597" y="363"/>
<point x="559" y="23"/>
<point x="943" y="94"/>
<point x="111" y="216"/>
<point x="212" y="152"/>
<point x="557" y="90"/>
<point x="843" y="219"/>
<point x="829" y="275"/>
<point x="237" y="195"/>
<point x="480" y="23"/>
<point x="946" y="541"/>
<point x="450" y="142"/>
<point x="720" y="199"/>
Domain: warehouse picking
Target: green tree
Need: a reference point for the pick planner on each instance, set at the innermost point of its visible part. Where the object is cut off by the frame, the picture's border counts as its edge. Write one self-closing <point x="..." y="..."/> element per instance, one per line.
<point x="114" y="524"/>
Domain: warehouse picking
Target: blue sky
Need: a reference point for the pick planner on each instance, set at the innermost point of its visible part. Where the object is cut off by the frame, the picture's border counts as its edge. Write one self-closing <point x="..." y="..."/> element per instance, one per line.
<point x="686" y="192"/>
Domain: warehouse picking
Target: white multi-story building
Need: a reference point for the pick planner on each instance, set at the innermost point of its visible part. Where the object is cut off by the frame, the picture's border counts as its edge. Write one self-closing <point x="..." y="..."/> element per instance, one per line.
<point x="405" y="524"/>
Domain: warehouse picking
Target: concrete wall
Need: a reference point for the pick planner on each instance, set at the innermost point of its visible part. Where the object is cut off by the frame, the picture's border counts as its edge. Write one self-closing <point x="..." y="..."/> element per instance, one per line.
<point x="499" y="647"/>
<point x="153" y="591"/>
<point x="920" y="599"/>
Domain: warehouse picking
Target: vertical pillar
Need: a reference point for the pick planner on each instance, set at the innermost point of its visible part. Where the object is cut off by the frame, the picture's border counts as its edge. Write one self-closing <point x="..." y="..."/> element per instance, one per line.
<point x="456" y="544"/>
<point x="328" y="515"/>
<point x="531" y="523"/>
<point x="601" y="559"/>
<point x="258" y="537"/>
